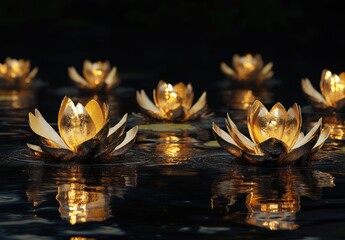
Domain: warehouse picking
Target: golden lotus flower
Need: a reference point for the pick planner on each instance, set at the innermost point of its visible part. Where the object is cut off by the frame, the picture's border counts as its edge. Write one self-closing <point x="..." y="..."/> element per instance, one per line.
<point x="332" y="96"/>
<point x="248" y="68"/>
<point x="173" y="103"/>
<point x="98" y="76"/>
<point x="85" y="133"/>
<point x="17" y="71"/>
<point x="276" y="136"/>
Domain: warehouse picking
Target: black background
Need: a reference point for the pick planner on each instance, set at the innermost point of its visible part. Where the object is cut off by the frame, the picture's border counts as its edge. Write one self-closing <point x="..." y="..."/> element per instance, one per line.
<point x="183" y="40"/>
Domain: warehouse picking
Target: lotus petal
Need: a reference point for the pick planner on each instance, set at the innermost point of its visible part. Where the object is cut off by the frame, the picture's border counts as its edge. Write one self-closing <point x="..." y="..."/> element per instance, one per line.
<point x="332" y="87"/>
<point x="322" y="138"/>
<point x="145" y="103"/>
<point x="225" y="141"/>
<point x="314" y="96"/>
<point x="309" y="135"/>
<point x="241" y="140"/>
<point x="76" y="125"/>
<point x="305" y="149"/>
<point x="79" y="80"/>
<point x="117" y="130"/>
<point x="112" y="80"/>
<point x="35" y="148"/>
<point x="96" y="113"/>
<point x="199" y="105"/>
<point x="227" y="70"/>
<point x="40" y="126"/>
<point x="292" y="126"/>
<point x="127" y="143"/>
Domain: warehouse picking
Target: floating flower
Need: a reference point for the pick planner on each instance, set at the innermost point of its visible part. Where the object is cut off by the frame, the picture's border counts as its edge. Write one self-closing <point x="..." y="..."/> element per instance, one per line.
<point x="17" y="71"/>
<point x="332" y="96"/>
<point x="276" y="136"/>
<point x="173" y="103"/>
<point x="98" y="76"/>
<point x="248" y="69"/>
<point x="85" y="133"/>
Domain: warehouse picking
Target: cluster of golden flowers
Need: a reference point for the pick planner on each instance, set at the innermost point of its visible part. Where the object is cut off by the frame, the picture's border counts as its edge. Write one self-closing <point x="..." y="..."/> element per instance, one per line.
<point x="85" y="132"/>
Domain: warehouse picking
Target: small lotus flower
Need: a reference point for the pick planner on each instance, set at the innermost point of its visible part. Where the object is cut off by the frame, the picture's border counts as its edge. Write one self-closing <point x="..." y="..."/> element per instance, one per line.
<point x="332" y="96"/>
<point x="173" y="103"/>
<point x="248" y="69"/>
<point x="17" y="71"/>
<point x="97" y="76"/>
<point x="85" y="134"/>
<point x="276" y="136"/>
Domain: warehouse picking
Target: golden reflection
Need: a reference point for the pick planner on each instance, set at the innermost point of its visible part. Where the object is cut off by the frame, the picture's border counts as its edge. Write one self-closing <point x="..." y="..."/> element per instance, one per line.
<point x="241" y="99"/>
<point x="17" y="98"/>
<point x="83" y="194"/>
<point x="173" y="149"/>
<point x="335" y="122"/>
<point x="273" y="196"/>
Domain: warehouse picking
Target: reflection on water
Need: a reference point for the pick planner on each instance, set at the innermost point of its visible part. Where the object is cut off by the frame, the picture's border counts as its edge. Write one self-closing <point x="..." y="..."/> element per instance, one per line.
<point x="242" y="98"/>
<point x="335" y="121"/>
<point x="84" y="194"/>
<point x="17" y="98"/>
<point x="15" y="105"/>
<point x="272" y="195"/>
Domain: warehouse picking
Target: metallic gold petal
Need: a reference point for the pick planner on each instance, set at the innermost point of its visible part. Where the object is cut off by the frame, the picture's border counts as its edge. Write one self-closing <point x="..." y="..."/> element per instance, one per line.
<point x="95" y="111"/>
<point x="127" y="143"/>
<point x="145" y="103"/>
<point x="119" y="128"/>
<point x="316" y="128"/>
<point x="200" y="104"/>
<point x="189" y="96"/>
<point x="112" y="80"/>
<point x="167" y="97"/>
<point x="31" y="75"/>
<point x="40" y="126"/>
<point x="332" y="87"/>
<point x="293" y="124"/>
<point x="268" y="125"/>
<point x="252" y="113"/>
<point x="303" y="150"/>
<point x="105" y="110"/>
<point x="227" y="70"/>
<point x="79" y="80"/>
<point x="76" y="126"/>
<point x="241" y="140"/>
<point x="314" y="96"/>
<point x="225" y="141"/>
<point x="322" y="138"/>
<point x="35" y="148"/>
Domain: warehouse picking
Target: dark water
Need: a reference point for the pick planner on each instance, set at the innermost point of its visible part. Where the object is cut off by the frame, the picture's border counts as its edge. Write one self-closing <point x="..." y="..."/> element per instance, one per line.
<point x="173" y="184"/>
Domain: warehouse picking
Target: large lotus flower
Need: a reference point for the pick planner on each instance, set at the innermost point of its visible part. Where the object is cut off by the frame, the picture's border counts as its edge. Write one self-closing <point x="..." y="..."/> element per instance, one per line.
<point x="97" y="76"/>
<point x="332" y="96"/>
<point x="173" y="103"/>
<point x="85" y="134"/>
<point x="248" y="69"/>
<point x="17" y="70"/>
<point x="276" y="136"/>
